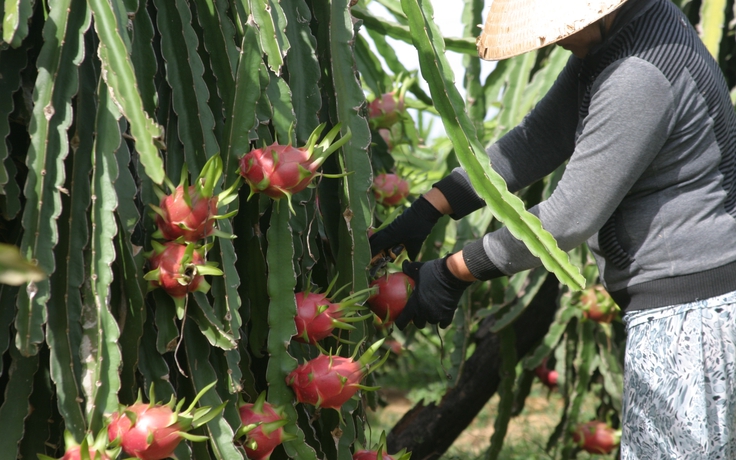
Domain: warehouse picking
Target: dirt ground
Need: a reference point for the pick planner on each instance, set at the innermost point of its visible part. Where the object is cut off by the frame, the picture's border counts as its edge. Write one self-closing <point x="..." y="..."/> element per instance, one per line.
<point x="539" y="417"/>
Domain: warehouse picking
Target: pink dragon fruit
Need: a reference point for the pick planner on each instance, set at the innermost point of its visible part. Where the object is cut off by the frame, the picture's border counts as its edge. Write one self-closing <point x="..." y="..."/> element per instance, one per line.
<point x="330" y="380"/>
<point x="384" y="111"/>
<point x="188" y="213"/>
<point x="91" y="448"/>
<point x="378" y="452"/>
<point x="146" y="431"/>
<point x="281" y="170"/>
<point x="179" y="269"/>
<point x="262" y="424"/>
<point x="192" y="219"/>
<point x="389" y="189"/>
<point x="152" y="431"/>
<point x="317" y="317"/>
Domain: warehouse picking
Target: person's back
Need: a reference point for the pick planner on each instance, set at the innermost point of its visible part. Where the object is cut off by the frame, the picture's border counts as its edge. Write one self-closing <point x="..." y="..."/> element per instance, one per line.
<point x="647" y="126"/>
<point x="678" y="217"/>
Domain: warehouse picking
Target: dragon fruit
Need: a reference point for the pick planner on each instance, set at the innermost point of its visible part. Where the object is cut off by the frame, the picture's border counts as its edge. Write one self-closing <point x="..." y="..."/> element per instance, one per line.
<point x="317" y="317"/>
<point x="146" y="431"/>
<point x="91" y="448"/>
<point x="262" y="424"/>
<point x="75" y="453"/>
<point x="279" y="171"/>
<point x="330" y="380"/>
<point x="393" y="292"/>
<point x="190" y="217"/>
<point x="188" y="213"/>
<point x="378" y="452"/>
<point x="598" y="305"/>
<point x="546" y="375"/>
<point x="179" y="269"/>
<point x="386" y="110"/>
<point x="596" y="437"/>
<point x="152" y="431"/>
<point x="389" y="189"/>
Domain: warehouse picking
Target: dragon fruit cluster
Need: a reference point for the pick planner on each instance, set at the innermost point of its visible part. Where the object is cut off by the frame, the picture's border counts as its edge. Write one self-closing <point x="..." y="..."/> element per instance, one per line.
<point x="184" y="218"/>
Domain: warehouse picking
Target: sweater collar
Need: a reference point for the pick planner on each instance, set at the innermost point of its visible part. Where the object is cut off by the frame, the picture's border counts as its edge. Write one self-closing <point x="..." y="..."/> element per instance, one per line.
<point x="629" y="12"/>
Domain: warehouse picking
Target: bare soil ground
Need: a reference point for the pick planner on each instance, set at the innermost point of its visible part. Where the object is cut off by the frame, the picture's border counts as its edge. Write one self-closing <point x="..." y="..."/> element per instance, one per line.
<point x="533" y="425"/>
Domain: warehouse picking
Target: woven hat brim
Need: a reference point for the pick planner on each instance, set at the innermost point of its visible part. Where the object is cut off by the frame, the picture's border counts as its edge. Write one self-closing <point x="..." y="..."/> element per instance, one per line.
<point x="514" y="27"/>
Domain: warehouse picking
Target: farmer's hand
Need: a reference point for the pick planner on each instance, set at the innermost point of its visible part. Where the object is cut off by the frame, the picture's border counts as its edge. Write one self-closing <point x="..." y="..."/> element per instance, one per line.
<point x="436" y="294"/>
<point x="413" y="226"/>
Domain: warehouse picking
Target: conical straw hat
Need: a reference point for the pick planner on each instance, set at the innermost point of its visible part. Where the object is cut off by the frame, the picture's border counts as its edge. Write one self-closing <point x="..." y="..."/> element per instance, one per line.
<point x="514" y="27"/>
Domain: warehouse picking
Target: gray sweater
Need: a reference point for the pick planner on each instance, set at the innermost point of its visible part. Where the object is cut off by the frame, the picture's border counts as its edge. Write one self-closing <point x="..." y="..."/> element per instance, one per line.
<point x="646" y="125"/>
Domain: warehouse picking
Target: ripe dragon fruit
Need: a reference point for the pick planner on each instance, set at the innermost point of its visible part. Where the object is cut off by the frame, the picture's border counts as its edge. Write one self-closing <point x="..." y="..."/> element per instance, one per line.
<point x="385" y="110"/>
<point x="279" y="171"/>
<point x="262" y="424"/>
<point x="330" y="380"/>
<point x="75" y="453"/>
<point x="378" y="452"/>
<point x="598" y="305"/>
<point x="179" y="269"/>
<point x="188" y="214"/>
<point x="389" y="189"/>
<point x="152" y="431"/>
<point x="596" y="437"/>
<point x="393" y="291"/>
<point x="317" y="317"/>
<point x="190" y="217"/>
<point x="546" y="375"/>
<point x="91" y="448"/>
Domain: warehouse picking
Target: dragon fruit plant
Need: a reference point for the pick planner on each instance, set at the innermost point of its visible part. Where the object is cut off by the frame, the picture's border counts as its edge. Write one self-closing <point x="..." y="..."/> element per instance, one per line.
<point x="189" y="212"/>
<point x="390" y="189"/>
<point x="179" y="269"/>
<point x="262" y="427"/>
<point x="378" y="452"/>
<point x="331" y="380"/>
<point x="151" y="431"/>
<point x="279" y="171"/>
<point x="91" y="448"/>
<point x="317" y="316"/>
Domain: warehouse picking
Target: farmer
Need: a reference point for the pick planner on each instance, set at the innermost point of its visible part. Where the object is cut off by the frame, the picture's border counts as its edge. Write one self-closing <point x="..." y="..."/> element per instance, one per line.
<point x="642" y="115"/>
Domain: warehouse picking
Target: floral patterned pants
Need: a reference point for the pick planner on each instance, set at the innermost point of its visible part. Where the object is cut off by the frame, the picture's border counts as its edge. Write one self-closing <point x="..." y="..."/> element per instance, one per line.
<point x="680" y="382"/>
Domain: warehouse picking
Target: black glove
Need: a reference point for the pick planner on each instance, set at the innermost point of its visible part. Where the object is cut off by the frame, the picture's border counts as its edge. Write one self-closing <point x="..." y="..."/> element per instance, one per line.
<point x="411" y="228"/>
<point x="436" y="294"/>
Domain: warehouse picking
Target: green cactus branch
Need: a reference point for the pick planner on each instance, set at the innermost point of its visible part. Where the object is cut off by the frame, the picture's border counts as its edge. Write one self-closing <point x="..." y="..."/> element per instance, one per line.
<point x="281" y="313"/>
<point x="56" y="83"/>
<point x="17" y="13"/>
<point x="100" y="353"/>
<point x="121" y="80"/>
<point x="403" y="33"/>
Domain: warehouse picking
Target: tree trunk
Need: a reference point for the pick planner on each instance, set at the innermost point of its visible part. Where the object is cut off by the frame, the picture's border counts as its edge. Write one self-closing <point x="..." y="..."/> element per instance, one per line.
<point x="428" y="431"/>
